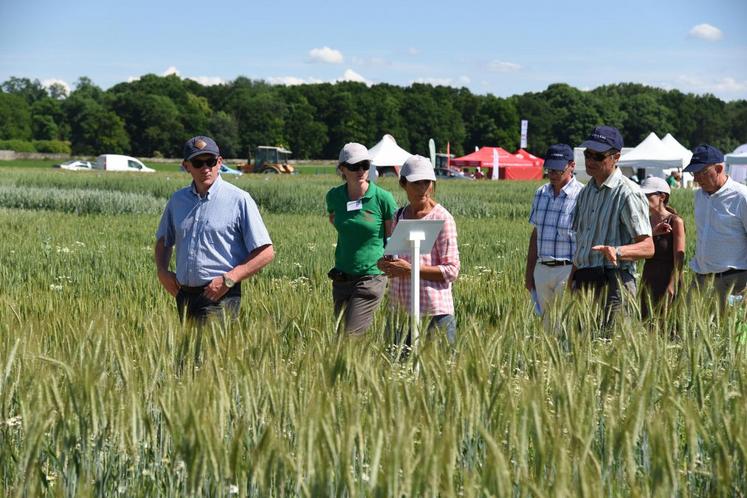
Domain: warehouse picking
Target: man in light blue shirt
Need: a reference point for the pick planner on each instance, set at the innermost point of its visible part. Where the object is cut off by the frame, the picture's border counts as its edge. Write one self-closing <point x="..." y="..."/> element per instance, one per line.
<point x="721" y="223"/>
<point x="219" y="235"/>
<point x="551" y="245"/>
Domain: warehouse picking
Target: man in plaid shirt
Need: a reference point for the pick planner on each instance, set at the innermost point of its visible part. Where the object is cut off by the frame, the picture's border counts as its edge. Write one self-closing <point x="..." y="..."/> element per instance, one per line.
<point x="552" y="244"/>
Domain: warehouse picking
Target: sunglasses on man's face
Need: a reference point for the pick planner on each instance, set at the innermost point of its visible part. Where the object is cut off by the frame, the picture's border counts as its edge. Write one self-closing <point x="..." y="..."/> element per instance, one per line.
<point x="596" y="156"/>
<point x="200" y="163"/>
<point x="357" y="166"/>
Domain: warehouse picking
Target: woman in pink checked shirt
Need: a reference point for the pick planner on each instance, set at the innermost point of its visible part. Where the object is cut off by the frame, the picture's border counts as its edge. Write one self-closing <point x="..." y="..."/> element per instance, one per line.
<point x="439" y="268"/>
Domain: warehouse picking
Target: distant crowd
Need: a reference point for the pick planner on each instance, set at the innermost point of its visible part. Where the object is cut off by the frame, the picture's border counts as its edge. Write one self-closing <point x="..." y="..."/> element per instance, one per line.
<point x="584" y="238"/>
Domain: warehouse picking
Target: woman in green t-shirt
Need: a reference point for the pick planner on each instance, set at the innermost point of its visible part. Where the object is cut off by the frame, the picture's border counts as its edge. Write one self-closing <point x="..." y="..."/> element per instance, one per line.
<point x="362" y="214"/>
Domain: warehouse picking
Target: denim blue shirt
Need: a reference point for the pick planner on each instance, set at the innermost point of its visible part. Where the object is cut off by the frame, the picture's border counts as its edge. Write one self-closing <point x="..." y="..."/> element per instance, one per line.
<point x="721" y="223"/>
<point x="212" y="234"/>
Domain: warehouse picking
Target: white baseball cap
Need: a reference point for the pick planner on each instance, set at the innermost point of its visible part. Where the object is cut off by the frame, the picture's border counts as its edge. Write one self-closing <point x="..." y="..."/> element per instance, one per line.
<point x="654" y="184"/>
<point x="417" y="168"/>
<point x="353" y="153"/>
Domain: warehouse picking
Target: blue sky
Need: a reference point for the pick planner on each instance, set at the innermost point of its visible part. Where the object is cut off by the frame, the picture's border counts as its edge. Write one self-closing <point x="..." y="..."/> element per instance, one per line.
<point x="503" y="48"/>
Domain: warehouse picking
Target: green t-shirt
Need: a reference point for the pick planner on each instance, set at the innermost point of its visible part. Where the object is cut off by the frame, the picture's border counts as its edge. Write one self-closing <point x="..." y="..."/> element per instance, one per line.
<point x="360" y="231"/>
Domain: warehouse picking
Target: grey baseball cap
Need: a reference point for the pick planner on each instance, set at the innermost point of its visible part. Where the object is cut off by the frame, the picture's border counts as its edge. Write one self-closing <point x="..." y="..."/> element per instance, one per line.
<point x="417" y="168"/>
<point x="353" y="153"/>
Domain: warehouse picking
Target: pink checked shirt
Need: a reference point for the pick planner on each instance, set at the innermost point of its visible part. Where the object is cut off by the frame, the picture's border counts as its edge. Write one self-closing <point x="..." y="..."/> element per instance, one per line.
<point x="435" y="297"/>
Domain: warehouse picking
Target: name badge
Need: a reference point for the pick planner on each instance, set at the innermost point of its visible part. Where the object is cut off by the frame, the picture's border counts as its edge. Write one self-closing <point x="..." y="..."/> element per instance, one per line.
<point x="355" y="205"/>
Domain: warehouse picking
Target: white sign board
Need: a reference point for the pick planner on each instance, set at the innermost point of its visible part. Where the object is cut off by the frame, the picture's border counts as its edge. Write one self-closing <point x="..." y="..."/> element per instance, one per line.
<point x="399" y="242"/>
<point x="524" y="128"/>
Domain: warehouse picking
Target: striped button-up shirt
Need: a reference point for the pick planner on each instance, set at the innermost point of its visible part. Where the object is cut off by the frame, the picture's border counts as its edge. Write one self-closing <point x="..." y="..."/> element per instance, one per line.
<point x="212" y="234"/>
<point x="553" y="217"/>
<point x="435" y="297"/>
<point x="612" y="214"/>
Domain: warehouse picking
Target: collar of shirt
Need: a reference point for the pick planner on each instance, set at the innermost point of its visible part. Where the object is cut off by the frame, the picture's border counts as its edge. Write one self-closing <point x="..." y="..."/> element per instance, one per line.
<point x="212" y="191"/>
<point x="611" y="182"/>
<point x="726" y="187"/>
<point x="369" y="191"/>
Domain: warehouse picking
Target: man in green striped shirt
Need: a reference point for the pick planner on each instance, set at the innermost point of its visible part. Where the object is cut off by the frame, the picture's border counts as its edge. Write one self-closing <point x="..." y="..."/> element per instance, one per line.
<point x="611" y="224"/>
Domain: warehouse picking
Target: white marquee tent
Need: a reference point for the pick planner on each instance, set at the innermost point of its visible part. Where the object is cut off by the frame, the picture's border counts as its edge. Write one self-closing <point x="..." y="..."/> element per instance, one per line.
<point x="657" y="157"/>
<point x="736" y="163"/>
<point x="386" y="156"/>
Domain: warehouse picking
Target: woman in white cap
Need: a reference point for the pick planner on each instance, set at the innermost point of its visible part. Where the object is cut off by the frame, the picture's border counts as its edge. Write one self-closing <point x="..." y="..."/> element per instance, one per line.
<point x="362" y="213"/>
<point x="662" y="274"/>
<point x="438" y="269"/>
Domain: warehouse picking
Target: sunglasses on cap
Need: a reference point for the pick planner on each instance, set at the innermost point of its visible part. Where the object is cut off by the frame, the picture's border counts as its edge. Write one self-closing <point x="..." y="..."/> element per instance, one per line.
<point x="597" y="156"/>
<point x="357" y="166"/>
<point x="199" y="163"/>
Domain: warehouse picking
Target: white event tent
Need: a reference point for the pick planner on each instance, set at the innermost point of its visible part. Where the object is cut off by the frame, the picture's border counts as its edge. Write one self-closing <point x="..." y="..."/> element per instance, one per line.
<point x="386" y="157"/>
<point x="736" y="163"/>
<point x="657" y="157"/>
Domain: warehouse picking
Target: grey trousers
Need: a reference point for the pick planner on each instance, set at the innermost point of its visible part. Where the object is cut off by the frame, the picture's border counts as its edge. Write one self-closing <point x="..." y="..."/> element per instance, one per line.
<point x="734" y="283"/>
<point x="357" y="299"/>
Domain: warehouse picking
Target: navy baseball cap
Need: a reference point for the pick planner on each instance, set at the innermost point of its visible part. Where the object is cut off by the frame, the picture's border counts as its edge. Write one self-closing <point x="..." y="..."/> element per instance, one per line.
<point x="704" y="155"/>
<point x="200" y="145"/>
<point x="558" y="156"/>
<point x="604" y="138"/>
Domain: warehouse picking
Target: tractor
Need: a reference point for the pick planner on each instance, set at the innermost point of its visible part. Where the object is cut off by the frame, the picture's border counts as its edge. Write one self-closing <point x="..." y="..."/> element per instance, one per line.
<point x="269" y="160"/>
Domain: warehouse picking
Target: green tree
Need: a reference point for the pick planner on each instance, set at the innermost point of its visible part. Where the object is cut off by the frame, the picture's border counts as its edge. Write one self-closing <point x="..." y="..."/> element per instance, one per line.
<point x="15" y="117"/>
<point x="93" y="128"/>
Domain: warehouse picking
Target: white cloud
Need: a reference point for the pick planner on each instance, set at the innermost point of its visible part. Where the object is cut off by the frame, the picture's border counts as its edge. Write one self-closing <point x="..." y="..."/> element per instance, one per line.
<point x="434" y="81"/>
<point x="130" y="79"/>
<point x="326" y="55"/>
<point x="413" y="51"/>
<point x="207" y="80"/>
<point x="49" y="82"/>
<point x="350" y="75"/>
<point x="706" y="32"/>
<point x="465" y="80"/>
<point x="503" y="67"/>
<point x="725" y="85"/>
<point x="170" y="70"/>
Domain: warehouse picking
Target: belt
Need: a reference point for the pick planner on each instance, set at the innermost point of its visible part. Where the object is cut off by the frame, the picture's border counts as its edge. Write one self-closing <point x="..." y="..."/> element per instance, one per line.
<point x="557" y="262"/>
<point x="192" y="290"/>
<point x="726" y="273"/>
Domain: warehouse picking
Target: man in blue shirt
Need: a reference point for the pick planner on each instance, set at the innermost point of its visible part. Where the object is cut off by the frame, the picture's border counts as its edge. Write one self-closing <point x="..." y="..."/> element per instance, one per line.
<point x="551" y="243"/>
<point x="721" y="223"/>
<point x="219" y="236"/>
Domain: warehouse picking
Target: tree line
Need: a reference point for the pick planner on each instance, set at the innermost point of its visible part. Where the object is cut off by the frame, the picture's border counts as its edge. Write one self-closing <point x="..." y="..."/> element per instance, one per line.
<point x="152" y="116"/>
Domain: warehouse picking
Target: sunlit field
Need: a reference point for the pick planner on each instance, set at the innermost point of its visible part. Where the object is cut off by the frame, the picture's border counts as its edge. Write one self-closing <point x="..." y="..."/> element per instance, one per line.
<point x="103" y="392"/>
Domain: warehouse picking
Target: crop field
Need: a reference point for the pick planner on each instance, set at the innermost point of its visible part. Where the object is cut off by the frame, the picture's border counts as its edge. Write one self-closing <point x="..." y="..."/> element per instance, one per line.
<point x="104" y="393"/>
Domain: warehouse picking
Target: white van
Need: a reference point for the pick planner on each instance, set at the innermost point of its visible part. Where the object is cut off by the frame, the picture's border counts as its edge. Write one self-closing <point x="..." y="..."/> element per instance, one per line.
<point x="116" y="162"/>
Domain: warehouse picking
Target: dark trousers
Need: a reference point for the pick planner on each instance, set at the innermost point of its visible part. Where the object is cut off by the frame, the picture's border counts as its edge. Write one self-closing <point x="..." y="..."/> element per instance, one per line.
<point x="192" y="304"/>
<point x="610" y="285"/>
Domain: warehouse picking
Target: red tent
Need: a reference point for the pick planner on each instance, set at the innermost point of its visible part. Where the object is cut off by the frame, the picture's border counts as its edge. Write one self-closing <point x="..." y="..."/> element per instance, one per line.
<point x="512" y="167"/>
<point x="538" y="161"/>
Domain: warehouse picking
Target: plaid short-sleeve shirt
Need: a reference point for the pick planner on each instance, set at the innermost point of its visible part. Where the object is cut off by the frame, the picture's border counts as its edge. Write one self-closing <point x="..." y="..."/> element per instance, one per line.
<point x="435" y="297"/>
<point x="553" y="218"/>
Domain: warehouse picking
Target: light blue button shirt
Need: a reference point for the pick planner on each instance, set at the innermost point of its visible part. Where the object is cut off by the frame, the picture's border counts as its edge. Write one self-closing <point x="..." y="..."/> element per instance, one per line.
<point x="212" y="234"/>
<point x="721" y="222"/>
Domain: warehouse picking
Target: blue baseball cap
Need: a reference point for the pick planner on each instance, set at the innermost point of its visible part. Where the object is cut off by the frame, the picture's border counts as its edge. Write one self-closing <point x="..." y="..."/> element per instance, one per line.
<point x="558" y="156"/>
<point x="198" y="145"/>
<point x="604" y="138"/>
<point x="704" y="155"/>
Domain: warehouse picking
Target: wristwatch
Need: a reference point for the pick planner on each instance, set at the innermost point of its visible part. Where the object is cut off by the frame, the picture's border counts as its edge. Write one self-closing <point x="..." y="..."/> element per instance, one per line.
<point x="619" y="254"/>
<point x="228" y="282"/>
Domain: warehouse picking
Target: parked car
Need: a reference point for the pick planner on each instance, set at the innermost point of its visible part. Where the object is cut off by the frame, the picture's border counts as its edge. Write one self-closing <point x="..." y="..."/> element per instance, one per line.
<point x="225" y="170"/>
<point x="451" y="174"/>
<point x="75" y="165"/>
<point x="116" y="162"/>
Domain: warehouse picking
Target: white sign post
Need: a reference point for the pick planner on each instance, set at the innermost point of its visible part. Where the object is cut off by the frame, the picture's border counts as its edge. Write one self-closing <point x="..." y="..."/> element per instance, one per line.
<point x="414" y="237"/>
<point x="496" y="165"/>
<point x="524" y="127"/>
